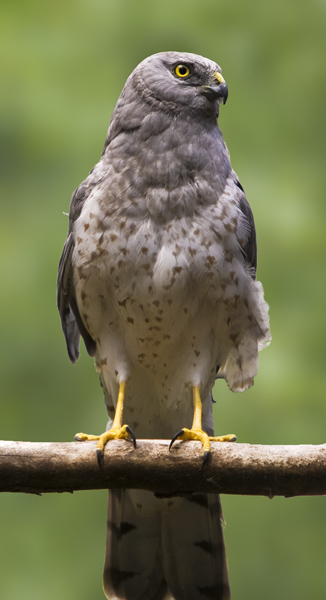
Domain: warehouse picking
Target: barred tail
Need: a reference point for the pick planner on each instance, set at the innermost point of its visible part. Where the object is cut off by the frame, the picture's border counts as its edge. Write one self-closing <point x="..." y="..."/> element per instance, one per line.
<point x="157" y="549"/>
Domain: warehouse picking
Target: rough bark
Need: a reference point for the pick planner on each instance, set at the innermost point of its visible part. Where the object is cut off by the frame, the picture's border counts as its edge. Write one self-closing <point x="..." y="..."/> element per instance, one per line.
<point x="231" y="468"/>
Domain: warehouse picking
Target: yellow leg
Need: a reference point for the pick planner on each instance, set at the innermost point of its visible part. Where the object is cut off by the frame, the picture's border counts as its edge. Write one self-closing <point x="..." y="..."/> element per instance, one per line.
<point x="196" y="432"/>
<point x="117" y="431"/>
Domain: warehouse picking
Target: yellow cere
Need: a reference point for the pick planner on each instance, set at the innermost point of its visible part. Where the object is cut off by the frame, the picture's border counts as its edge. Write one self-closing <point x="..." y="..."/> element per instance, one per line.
<point x="219" y="77"/>
<point x="182" y="71"/>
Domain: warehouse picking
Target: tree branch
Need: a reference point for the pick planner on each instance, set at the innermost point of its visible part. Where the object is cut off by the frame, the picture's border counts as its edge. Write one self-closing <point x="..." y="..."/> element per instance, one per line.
<point x="231" y="469"/>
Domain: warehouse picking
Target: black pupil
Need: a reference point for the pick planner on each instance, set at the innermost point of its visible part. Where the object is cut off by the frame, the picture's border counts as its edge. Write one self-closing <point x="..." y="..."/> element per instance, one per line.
<point x="183" y="70"/>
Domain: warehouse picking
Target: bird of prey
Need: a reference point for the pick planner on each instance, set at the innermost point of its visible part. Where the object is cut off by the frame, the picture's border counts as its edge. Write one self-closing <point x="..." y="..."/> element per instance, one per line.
<point x="158" y="275"/>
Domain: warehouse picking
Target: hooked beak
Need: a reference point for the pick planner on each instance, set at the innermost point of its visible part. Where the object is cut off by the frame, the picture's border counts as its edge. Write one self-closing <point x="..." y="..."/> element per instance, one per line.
<point x="216" y="91"/>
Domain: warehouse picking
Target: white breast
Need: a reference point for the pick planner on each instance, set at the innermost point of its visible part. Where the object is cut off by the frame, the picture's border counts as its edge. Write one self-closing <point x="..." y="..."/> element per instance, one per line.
<point x="167" y="303"/>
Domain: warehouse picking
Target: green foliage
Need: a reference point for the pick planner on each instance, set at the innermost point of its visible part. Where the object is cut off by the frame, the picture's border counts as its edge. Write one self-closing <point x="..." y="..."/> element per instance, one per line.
<point x="65" y="64"/>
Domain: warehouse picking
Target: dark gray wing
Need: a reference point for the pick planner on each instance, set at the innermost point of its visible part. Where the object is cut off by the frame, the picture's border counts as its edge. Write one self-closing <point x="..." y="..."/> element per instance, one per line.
<point x="64" y="295"/>
<point x="71" y="321"/>
<point x="249" y="247"/>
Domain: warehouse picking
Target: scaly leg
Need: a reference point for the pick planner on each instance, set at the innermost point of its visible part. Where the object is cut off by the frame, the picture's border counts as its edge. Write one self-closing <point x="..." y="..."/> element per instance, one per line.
<point x="117" y="431"/>
<point x="196" y="432"/>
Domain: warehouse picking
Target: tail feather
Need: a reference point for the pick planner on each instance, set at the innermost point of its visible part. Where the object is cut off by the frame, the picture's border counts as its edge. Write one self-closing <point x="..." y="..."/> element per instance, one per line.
<point x="162" y="548"/>
<point x="133" y="564"/>
<point x="193" y="550"/>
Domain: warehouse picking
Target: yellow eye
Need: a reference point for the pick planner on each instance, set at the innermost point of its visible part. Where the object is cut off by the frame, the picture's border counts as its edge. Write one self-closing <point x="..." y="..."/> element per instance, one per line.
<point x="182" y="71"/>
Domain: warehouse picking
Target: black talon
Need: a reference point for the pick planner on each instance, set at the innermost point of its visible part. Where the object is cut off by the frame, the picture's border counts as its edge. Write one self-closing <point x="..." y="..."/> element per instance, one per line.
<point x="181" y="432"/>
<point x="132" y="435"/>
<point x="205" y="459"/>
<point x="78" y="439"/>
<point x="100" y="457"/>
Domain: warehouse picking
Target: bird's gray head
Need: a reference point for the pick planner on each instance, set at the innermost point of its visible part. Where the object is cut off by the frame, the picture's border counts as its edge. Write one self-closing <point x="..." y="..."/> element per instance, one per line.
<point x="180" y="79"/>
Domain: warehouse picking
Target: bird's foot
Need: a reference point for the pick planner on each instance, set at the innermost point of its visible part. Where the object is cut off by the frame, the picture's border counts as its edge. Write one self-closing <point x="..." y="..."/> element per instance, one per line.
<point x="195" y="433"/>
<point x="115" y="433"/>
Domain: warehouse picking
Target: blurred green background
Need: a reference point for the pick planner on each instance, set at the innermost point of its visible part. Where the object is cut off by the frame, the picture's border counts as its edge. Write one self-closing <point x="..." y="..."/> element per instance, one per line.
<point x="63" y="67"/>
